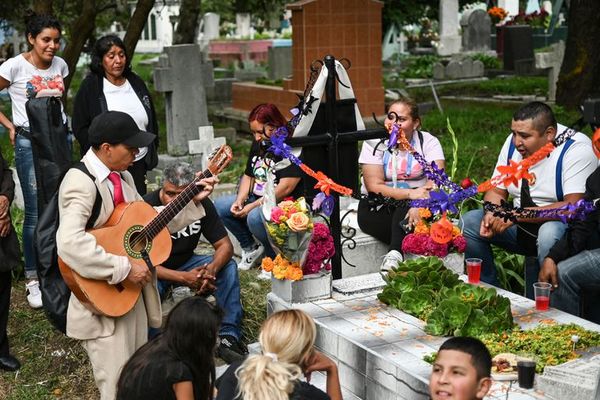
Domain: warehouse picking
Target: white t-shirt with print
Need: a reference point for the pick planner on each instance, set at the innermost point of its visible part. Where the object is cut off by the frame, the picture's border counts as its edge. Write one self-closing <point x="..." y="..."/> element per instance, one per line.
<point x="123" y="98"/>
<point x="578" y="163"/>
<point x="27" y="81"/>
<point x="431" y="149"/>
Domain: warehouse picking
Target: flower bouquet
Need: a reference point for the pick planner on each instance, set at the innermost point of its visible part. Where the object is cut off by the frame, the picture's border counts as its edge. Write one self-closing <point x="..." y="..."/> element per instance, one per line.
<point x="320" y="250"/>
<point x="436" y="238"/>
<point x="290" y="229"/>
<point x="497" y="14"/>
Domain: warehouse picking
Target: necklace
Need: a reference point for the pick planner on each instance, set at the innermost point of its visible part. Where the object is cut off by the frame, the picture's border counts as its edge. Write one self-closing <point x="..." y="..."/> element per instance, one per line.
<point x="32" y="62"/>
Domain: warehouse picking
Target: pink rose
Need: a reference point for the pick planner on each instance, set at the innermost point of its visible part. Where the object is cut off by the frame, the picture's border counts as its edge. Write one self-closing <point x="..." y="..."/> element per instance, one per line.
<point x="276" y="214"/>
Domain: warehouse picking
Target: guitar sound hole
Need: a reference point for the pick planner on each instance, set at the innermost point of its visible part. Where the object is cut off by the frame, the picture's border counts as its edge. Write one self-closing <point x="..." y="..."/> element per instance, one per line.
<point x="137" y="242"/>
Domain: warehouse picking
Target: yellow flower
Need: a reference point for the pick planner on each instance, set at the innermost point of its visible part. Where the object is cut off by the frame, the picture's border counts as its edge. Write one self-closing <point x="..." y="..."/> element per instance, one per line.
<point x="298" y="222"/>
<point x="294" y="274"/>
<point x="421" y="227"/>
<point x="279" y="271"/>
<point x="455" y="231"/>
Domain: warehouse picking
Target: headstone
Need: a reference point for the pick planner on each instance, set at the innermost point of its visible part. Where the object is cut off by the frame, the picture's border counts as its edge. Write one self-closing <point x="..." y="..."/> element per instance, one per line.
<point x="510" y="6"/>
<point x="205" y="144"/>
<point x="242" y="23"/>
<point x="182" y="74"/>
<point x="449" y="28"/>
<point x="476" y="27"/>
<point x="551" y="60"/>
<point x="210" y="26"/>
<point x="518" y="46"/>
<point x="467" y="68"/>
<point x="439" y="71"/>
<point x="577" y="379"/>
<point x="391" y="43"/>
<point x="280" y="62"/>
<point x="478" y="68"/>
<point x="453" y="70"/>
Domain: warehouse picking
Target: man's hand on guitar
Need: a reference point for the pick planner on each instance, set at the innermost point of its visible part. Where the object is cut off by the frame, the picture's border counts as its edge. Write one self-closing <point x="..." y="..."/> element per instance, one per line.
<point x="206" y="185"/>
<point x="139" y="274"/>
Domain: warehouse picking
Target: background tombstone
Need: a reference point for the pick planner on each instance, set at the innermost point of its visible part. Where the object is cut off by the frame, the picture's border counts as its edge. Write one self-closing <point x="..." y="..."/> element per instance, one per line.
<point x="242" y="23"/>
<point x="551" y="60"/>
<point x="476" y="28"/>
<point x="449" y="28"/>
<point x="518" y="48"/>
<point x="280" y="59"/>
<point x="182" y="74"/>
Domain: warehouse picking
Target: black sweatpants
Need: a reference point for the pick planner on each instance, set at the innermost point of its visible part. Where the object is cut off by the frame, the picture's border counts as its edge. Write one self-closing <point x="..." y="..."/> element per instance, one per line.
<point x="5" y="286"/>
<point x="384" y="225"/>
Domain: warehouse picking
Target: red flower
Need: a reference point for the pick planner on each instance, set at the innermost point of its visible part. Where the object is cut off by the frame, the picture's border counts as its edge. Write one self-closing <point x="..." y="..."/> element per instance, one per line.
<point x="465" y="183"/>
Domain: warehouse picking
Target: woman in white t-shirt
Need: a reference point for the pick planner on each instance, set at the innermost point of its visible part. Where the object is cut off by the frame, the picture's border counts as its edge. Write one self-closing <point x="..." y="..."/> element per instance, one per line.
<point x="407" y="182"/>
<point x="112" y="86"/>
<point x="36" y="73"/>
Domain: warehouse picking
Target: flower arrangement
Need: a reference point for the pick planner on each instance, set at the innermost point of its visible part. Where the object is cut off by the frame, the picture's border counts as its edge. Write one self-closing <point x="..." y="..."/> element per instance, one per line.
<point x="536" y="19"/>
<point x="437" y="238"/>
<point x="290" y="230"/>
<point x="321" y="248"/>
<point x="497" y="14"/>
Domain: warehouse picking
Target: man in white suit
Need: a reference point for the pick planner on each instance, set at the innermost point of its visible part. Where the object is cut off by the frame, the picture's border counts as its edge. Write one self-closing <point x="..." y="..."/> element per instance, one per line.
<point x="109" y="342"/>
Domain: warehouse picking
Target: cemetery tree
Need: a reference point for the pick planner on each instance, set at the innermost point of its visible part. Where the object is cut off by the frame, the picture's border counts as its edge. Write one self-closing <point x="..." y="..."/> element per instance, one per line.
<point x="187" y="28"/>
<point x="580" y="72"/>
<point x="136" y="25"/>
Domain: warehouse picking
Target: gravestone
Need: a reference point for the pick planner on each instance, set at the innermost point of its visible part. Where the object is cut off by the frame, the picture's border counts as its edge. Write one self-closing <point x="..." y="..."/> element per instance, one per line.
<point x="449" y="28"/>
<point x="205" y="144"/>
<point x="518" y="47"/>
<point x="476" y="27"/>
<point x="458" y="69"/>
<point x="577" y="379"/>
<point x="551" y="60"/>
<point x="210" y="26"/>
<point x="280" y="59"/>
<point x="182" y="74"/>
<point x="392" y="43"/>
<point x="242" y="24"/>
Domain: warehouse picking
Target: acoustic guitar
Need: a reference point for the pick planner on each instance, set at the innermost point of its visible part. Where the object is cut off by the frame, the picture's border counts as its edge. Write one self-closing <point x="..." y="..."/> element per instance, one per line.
<point x="137" y="231"/>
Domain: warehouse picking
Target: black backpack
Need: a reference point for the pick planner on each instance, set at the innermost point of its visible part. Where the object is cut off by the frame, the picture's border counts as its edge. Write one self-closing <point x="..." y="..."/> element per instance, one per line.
<point x="55" y="293"/>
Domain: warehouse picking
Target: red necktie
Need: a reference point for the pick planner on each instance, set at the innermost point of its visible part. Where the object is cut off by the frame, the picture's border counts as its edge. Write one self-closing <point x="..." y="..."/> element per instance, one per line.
<point x="115" y="178"/>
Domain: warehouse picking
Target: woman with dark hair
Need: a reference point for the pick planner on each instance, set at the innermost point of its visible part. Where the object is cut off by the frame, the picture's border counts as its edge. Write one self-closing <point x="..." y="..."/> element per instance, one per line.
<point x="35" y="73"/>
<point x="241" y="212"/>
<point x="112" y="86"/>
<point x="178" y="363"/>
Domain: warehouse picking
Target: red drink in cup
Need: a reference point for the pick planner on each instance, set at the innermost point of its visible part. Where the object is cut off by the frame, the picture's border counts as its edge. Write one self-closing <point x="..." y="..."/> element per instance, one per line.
<point x="473" y="269"/>
<point x="542" y="295"/>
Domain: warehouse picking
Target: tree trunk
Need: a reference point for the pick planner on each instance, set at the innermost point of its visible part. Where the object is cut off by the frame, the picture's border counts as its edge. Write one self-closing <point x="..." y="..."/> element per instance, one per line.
<point x="580" y="72"/>
<point x="81" y="29"/>
<point x="136" y="25"/>
<point x="187" y="28"/>
<point x="42" y="7"/>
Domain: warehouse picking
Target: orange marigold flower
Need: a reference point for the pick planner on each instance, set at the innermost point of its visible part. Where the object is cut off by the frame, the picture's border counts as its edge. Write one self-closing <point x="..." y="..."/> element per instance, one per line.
<point x="455" y="231"/>
<point x="279" y="272"/>
<point x="421" y="228"/>
<point x="424" y="213"/>
<point x="294" y="274"/>
<point x="267" y="264"/>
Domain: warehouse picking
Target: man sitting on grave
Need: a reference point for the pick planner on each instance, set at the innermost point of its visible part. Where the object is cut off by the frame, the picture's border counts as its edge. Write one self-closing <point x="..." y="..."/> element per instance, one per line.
<point x="183" y="265"/>
<point x="573" y="261"/>
<point x="556" y="180"/>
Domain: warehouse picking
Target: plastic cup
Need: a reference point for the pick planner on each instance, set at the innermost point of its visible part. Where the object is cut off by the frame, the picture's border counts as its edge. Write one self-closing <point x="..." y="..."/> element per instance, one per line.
<point x="526" y="373"/>
<point x="473" y="269"/>
<point x="542" y="295"/>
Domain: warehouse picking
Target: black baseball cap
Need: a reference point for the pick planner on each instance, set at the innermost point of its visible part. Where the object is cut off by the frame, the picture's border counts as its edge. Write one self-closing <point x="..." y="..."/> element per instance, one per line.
<point x="116" y="127"/>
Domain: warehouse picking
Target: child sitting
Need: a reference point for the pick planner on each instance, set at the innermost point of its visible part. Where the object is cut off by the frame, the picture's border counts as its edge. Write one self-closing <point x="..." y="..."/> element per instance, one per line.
<point x="461" y="370"/>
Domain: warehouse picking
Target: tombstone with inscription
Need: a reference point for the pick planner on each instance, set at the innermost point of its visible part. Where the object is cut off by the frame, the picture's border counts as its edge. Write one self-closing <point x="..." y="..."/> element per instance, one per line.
<point x="476" y="27"/>
<point x="182" y="74"/>
<point x="449" y="28"/>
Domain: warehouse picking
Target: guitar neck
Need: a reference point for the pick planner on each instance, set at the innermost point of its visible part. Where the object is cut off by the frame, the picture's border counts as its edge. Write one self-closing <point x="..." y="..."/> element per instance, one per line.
<point x="173" y="208"/>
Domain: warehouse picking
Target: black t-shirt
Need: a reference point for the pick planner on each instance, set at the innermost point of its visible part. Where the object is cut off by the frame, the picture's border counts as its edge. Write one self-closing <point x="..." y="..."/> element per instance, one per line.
<point x="257" y="167"/>
<point x="186" y="240"/>
<point x="156" y="379"/>
<point x="227" y="386"/>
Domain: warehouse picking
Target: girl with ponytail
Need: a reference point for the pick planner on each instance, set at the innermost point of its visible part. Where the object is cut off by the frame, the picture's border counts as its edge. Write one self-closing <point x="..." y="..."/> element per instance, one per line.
<point x="287" y="340"/>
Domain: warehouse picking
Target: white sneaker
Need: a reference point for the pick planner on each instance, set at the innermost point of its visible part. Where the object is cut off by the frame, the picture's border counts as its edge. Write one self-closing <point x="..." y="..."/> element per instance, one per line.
<point x="264" y="276"/>
<point x="391" y="260"/>
<point x="34" y="296"/>
<point x="251" y="258"/>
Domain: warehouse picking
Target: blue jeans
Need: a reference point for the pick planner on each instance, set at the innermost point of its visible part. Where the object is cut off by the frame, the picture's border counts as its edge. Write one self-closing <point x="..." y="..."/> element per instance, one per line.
<point x="26" y="173"/>
<point x="244" y="229"/>
<point x="227" y="293"/>
<point x="572" y="273"/>
<point x="550" y="232"/>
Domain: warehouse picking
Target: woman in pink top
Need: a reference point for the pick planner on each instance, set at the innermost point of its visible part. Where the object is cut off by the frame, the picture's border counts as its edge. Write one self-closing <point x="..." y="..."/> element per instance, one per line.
<point x="395" y="174"/>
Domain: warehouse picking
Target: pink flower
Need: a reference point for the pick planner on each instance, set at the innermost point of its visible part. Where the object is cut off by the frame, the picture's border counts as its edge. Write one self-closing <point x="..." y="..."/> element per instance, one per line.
<point x="460" y="243"/>
<point x="320" y="249"/>
<point x="436" y="249"/>
<point x="276" y="214"/>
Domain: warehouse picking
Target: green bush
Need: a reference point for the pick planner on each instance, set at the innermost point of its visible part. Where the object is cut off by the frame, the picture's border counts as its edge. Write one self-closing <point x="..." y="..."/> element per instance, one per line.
<point x="489" y="62"/>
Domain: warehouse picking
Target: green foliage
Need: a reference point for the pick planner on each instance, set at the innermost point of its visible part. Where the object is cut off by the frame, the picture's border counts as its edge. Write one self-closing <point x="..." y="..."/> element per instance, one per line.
<point x="549" y="344"/>
<point x="489" y="62"/>
<point x="510" y="269"/>
<point x="269" y="82"/>
<point x="423" y="287"/>
<point x="417" y="66"/>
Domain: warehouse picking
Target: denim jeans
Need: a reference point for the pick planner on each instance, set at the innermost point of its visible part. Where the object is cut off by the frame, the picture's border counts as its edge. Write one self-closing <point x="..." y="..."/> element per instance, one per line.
<point x="550" y="232"/>
<point x="572" y="273"/>
<point x="244" y="229"/>
<point x="227" y="293"/>
<point x="26" y="173"/>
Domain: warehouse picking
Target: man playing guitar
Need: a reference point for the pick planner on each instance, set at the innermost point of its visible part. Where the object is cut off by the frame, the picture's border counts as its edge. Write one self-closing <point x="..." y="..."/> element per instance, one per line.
<point x="110" y="341"/>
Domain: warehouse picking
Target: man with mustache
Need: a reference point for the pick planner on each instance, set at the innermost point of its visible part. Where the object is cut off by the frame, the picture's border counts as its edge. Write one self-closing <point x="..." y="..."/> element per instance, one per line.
<point x="556" y="180"/>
